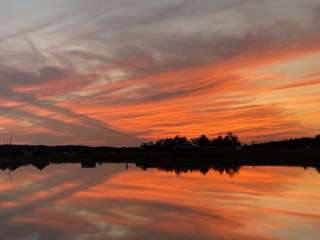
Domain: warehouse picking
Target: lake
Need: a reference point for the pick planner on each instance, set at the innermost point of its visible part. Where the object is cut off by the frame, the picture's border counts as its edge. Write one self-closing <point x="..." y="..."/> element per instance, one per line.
<point x="115" y="201"/>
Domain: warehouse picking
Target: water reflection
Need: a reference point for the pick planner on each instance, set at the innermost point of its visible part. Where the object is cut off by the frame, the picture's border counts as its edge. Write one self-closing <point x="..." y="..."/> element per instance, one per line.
<point x="223" y="167"/>
<point x="111" y="202"/>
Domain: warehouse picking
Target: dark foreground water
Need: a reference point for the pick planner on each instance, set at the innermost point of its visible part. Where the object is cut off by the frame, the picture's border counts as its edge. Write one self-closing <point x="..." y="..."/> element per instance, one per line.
<point x="111" y="202"/>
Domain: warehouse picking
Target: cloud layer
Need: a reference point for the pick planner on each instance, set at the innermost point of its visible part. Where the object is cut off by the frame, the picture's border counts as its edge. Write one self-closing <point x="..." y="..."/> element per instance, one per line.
<point x="120" y="72"/>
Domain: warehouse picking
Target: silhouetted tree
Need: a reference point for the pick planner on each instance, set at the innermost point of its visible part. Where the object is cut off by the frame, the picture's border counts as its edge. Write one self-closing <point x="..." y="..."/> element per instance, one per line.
<point x="204" y="141"/>
<point x="317" y="140"/>
<point x="181" y="142"/>
<point x="167" y="143"/>
<point x="217" y="142"/>
<point x="231" y="140"/>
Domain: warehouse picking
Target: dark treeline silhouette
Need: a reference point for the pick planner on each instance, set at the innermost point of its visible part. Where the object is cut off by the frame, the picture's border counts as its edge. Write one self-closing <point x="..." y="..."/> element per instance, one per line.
<point x="42" y="150"/>
<point x="181" y="142"/>
<point x="178" y="154"/>
<point x="294" y="143"/>
<point x="229" y="142"/>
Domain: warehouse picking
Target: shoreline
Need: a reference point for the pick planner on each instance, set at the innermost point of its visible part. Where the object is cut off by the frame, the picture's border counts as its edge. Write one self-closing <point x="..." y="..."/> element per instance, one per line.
<point x="173" y="160"/>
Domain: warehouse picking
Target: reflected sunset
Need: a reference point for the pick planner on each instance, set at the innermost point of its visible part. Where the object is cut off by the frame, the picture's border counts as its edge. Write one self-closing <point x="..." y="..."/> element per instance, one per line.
<point x="110" y="202"/>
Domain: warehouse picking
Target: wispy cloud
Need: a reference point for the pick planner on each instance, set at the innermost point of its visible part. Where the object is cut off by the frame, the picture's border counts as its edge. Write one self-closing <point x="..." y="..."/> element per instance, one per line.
<point x="116" y="72"/>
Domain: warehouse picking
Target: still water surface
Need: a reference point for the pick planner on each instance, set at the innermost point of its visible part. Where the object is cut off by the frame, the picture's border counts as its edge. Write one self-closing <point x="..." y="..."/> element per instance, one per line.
<point x="111" y="202"/>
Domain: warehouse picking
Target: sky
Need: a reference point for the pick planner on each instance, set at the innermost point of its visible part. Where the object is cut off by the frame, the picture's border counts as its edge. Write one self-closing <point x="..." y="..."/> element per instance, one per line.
<point x="120" y="72"/>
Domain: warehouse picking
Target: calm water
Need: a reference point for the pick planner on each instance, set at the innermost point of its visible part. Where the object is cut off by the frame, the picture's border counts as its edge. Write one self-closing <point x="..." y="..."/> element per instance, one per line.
<point x="110" y="202"/>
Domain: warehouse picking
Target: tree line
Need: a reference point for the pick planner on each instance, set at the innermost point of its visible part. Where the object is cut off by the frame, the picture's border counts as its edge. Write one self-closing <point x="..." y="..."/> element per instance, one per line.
<point x="230" y="140"/>
<point x="293" y="143"/>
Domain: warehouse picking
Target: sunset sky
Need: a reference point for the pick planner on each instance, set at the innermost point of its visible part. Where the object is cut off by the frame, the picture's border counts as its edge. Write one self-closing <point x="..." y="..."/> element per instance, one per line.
<point x="119" y="72"/>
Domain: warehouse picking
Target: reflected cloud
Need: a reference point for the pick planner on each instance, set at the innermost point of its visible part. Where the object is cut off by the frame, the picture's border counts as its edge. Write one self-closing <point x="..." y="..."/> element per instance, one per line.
<point x="109" y="202"/>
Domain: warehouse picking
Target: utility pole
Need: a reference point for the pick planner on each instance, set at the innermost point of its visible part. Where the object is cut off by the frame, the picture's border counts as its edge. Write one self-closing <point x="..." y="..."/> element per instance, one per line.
<point x="10" y="139"/>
